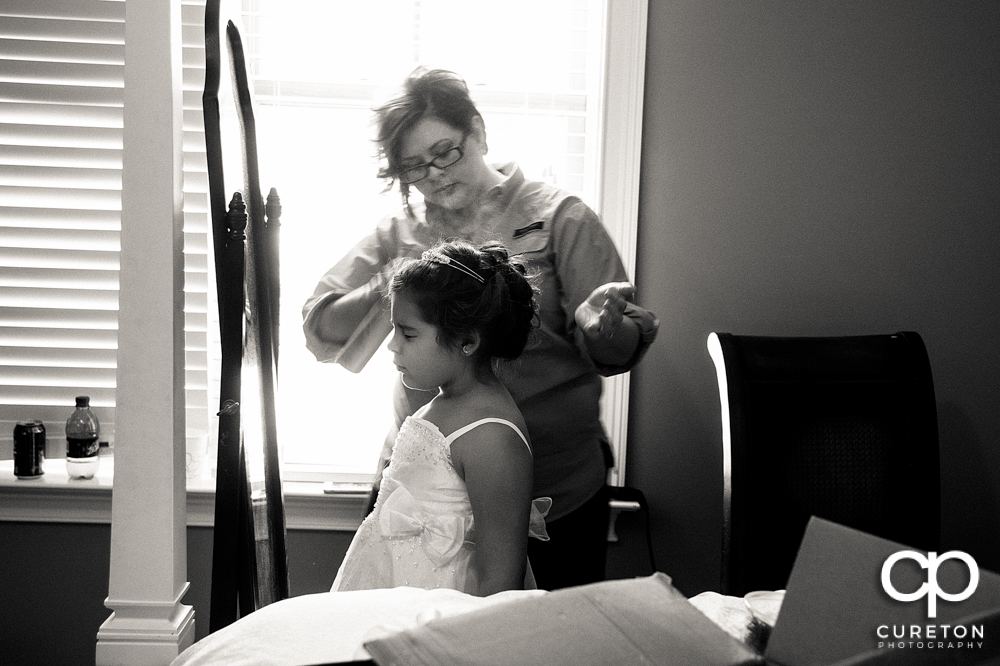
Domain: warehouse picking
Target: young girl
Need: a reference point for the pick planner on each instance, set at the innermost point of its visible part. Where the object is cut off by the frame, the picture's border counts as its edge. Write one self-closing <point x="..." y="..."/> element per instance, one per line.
<point x="454" y="505"/>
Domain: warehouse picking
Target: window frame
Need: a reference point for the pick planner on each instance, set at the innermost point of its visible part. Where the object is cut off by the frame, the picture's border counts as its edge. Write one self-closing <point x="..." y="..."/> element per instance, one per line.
<point x="618" y="205"/>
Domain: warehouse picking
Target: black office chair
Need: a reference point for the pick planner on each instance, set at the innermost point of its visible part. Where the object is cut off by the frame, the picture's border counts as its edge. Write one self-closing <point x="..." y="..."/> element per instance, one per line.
<point x="844" y="428"/>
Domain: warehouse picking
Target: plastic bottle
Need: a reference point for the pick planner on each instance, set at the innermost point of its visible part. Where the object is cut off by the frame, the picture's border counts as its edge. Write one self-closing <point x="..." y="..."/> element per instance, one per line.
<point x="82" y="447"/>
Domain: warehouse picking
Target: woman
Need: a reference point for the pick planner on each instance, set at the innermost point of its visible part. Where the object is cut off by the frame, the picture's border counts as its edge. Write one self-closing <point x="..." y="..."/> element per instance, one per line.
<point x="433" y="138"/>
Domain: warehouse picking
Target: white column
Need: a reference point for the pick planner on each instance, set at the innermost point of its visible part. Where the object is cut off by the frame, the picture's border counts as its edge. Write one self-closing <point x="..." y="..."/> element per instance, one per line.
<point x="149" y="625"/>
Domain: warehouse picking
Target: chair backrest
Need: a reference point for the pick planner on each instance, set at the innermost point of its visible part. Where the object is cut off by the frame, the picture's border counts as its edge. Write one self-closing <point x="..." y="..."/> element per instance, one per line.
<point x="249" y="561"/>
<point x="844" y="428"/>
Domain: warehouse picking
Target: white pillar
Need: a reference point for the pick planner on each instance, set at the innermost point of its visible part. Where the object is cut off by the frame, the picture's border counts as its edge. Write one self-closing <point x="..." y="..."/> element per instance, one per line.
<point x="149" y="625"/>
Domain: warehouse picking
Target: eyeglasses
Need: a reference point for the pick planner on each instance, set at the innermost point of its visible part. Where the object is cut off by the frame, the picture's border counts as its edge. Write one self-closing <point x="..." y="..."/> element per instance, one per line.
<point x="442" y="160"/>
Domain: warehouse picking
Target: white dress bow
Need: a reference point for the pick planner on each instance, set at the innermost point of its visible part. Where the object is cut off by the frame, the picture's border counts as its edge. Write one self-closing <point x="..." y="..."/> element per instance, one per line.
<point x="442" y="535"/>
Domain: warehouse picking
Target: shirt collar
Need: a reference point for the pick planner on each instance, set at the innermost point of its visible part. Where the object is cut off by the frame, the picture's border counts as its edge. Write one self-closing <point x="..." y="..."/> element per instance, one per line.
<point x="502" y="193"/>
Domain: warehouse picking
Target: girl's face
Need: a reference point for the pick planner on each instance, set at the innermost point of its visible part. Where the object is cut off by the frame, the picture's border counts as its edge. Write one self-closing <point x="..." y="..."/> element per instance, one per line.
<point x="453" y="187"/>
<point x="421" y="360"/>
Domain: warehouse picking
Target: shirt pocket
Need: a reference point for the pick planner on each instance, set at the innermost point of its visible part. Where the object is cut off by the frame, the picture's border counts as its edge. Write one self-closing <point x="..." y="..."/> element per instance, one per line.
<point x="530" y="240"/>
<point x="532" y="243"/>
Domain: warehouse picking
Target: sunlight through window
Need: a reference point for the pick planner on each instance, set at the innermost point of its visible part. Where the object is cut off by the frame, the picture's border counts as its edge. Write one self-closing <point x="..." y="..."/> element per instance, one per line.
<point x="318" y="69"/>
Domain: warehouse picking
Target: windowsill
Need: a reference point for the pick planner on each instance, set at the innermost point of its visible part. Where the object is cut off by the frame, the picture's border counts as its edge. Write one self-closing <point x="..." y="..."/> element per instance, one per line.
<point x="55" y="498"/>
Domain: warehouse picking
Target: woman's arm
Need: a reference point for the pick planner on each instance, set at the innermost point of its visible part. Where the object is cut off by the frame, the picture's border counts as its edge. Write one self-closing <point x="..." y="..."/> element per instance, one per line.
<point x="335" y="319"/>
<point x="595" y="293"/>
<point x="497" y="469"/>
<point x="344" y="320"/>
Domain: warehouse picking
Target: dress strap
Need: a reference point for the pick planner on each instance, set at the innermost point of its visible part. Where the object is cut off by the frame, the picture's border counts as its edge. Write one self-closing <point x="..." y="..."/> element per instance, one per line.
<point x="475" y="424"/>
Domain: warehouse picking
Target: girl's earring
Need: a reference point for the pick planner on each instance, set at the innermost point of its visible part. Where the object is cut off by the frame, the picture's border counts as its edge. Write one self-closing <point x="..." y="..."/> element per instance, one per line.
<point x="466" y="350"/>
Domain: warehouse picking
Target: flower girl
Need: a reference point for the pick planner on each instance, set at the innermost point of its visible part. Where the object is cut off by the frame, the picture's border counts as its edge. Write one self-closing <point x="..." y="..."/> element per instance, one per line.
<point x="454" y="509"/>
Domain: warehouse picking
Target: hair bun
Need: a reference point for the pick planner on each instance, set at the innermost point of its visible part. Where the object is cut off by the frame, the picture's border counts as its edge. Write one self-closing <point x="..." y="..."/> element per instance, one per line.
<point x="499" y="305"/>
<point x="494" y="253"/>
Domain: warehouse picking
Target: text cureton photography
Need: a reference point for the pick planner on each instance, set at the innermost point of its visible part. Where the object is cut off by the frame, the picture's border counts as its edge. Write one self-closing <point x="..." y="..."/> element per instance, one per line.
<point x="930" y="636"/>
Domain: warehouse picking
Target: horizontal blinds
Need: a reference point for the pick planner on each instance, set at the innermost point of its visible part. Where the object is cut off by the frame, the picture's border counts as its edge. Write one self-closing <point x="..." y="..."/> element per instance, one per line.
<point x="61" y="91"/>
<point x="61" y="97"/>
<point x="202" y="359"/>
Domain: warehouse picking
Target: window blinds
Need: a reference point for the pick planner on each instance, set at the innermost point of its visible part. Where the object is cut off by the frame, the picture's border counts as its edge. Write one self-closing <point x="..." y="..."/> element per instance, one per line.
<point x="61" y="92"/>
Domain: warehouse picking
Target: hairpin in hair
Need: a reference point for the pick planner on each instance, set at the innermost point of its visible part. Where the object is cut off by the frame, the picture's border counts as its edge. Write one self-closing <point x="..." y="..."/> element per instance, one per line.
<point x="439" y="258"/>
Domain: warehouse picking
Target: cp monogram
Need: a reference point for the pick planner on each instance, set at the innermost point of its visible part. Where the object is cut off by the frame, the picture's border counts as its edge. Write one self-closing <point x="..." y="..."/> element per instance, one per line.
<point x="930" y="589"/>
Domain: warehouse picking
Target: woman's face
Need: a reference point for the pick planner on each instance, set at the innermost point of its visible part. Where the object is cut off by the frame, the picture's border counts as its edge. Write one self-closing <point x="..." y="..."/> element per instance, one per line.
<point x="453" y="187"/>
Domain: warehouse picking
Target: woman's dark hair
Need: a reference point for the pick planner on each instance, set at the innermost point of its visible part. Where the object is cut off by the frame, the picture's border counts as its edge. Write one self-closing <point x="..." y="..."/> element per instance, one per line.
<point x="426" y="92"/>
<point x="501" y="308"/>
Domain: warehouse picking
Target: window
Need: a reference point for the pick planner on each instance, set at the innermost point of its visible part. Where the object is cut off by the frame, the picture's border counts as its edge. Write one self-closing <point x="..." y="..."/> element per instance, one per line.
<point x="540" y="83"/>
<point x="536" y="71"/>
<point x="60" y="200"/>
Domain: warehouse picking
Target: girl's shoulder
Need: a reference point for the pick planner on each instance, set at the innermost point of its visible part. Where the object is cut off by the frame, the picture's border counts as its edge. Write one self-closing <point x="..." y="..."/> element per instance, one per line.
<point x="452" y="416"/>
<point x="484" y="425"/>
<point x="496" y="440"/>
<point x="507" y="428"/>
<point x="495" y="427"/>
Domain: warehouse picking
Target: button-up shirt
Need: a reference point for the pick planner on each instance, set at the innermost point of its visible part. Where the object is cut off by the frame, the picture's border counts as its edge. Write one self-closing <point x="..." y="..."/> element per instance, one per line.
<point x="555" y="383"/>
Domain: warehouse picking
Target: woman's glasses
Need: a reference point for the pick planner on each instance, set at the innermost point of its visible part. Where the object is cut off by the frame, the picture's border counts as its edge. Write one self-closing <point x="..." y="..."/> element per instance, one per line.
<point x="442" y="160"/>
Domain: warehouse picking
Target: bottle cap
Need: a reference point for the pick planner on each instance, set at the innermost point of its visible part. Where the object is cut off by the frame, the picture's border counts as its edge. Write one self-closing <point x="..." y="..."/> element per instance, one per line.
<point x="83" y="401"/>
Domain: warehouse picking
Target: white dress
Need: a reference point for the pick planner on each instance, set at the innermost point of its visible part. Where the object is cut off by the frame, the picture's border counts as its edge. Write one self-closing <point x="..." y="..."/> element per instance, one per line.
<point x="421" y="532"/>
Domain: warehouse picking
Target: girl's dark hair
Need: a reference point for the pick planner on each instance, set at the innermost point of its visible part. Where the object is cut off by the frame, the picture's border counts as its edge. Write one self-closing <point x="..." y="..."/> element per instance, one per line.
<point x="501" y="309"/>
<point x="426" y="92"/>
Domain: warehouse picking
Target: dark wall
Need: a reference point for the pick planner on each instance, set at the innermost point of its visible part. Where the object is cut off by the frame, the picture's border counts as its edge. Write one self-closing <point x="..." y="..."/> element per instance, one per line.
<point x="817" y="169"/>
<point x="55" y="581"/>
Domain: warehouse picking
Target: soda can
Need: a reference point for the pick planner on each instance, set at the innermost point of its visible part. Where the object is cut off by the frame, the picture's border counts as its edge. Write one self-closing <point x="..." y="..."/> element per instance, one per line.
<point x="29" y="449"/>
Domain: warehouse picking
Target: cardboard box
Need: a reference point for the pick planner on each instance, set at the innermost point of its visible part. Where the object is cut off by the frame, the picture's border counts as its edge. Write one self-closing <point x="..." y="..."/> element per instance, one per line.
<point x="836" y="611"/>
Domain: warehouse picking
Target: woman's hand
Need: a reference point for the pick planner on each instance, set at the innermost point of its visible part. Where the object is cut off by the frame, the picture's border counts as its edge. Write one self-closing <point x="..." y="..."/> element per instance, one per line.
<point x="601" y="314"/>
<point x="611" y="337"/>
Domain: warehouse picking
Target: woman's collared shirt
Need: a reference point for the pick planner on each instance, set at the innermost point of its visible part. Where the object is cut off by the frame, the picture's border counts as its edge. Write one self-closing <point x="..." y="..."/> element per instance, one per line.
<point x="556" y="384"/>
